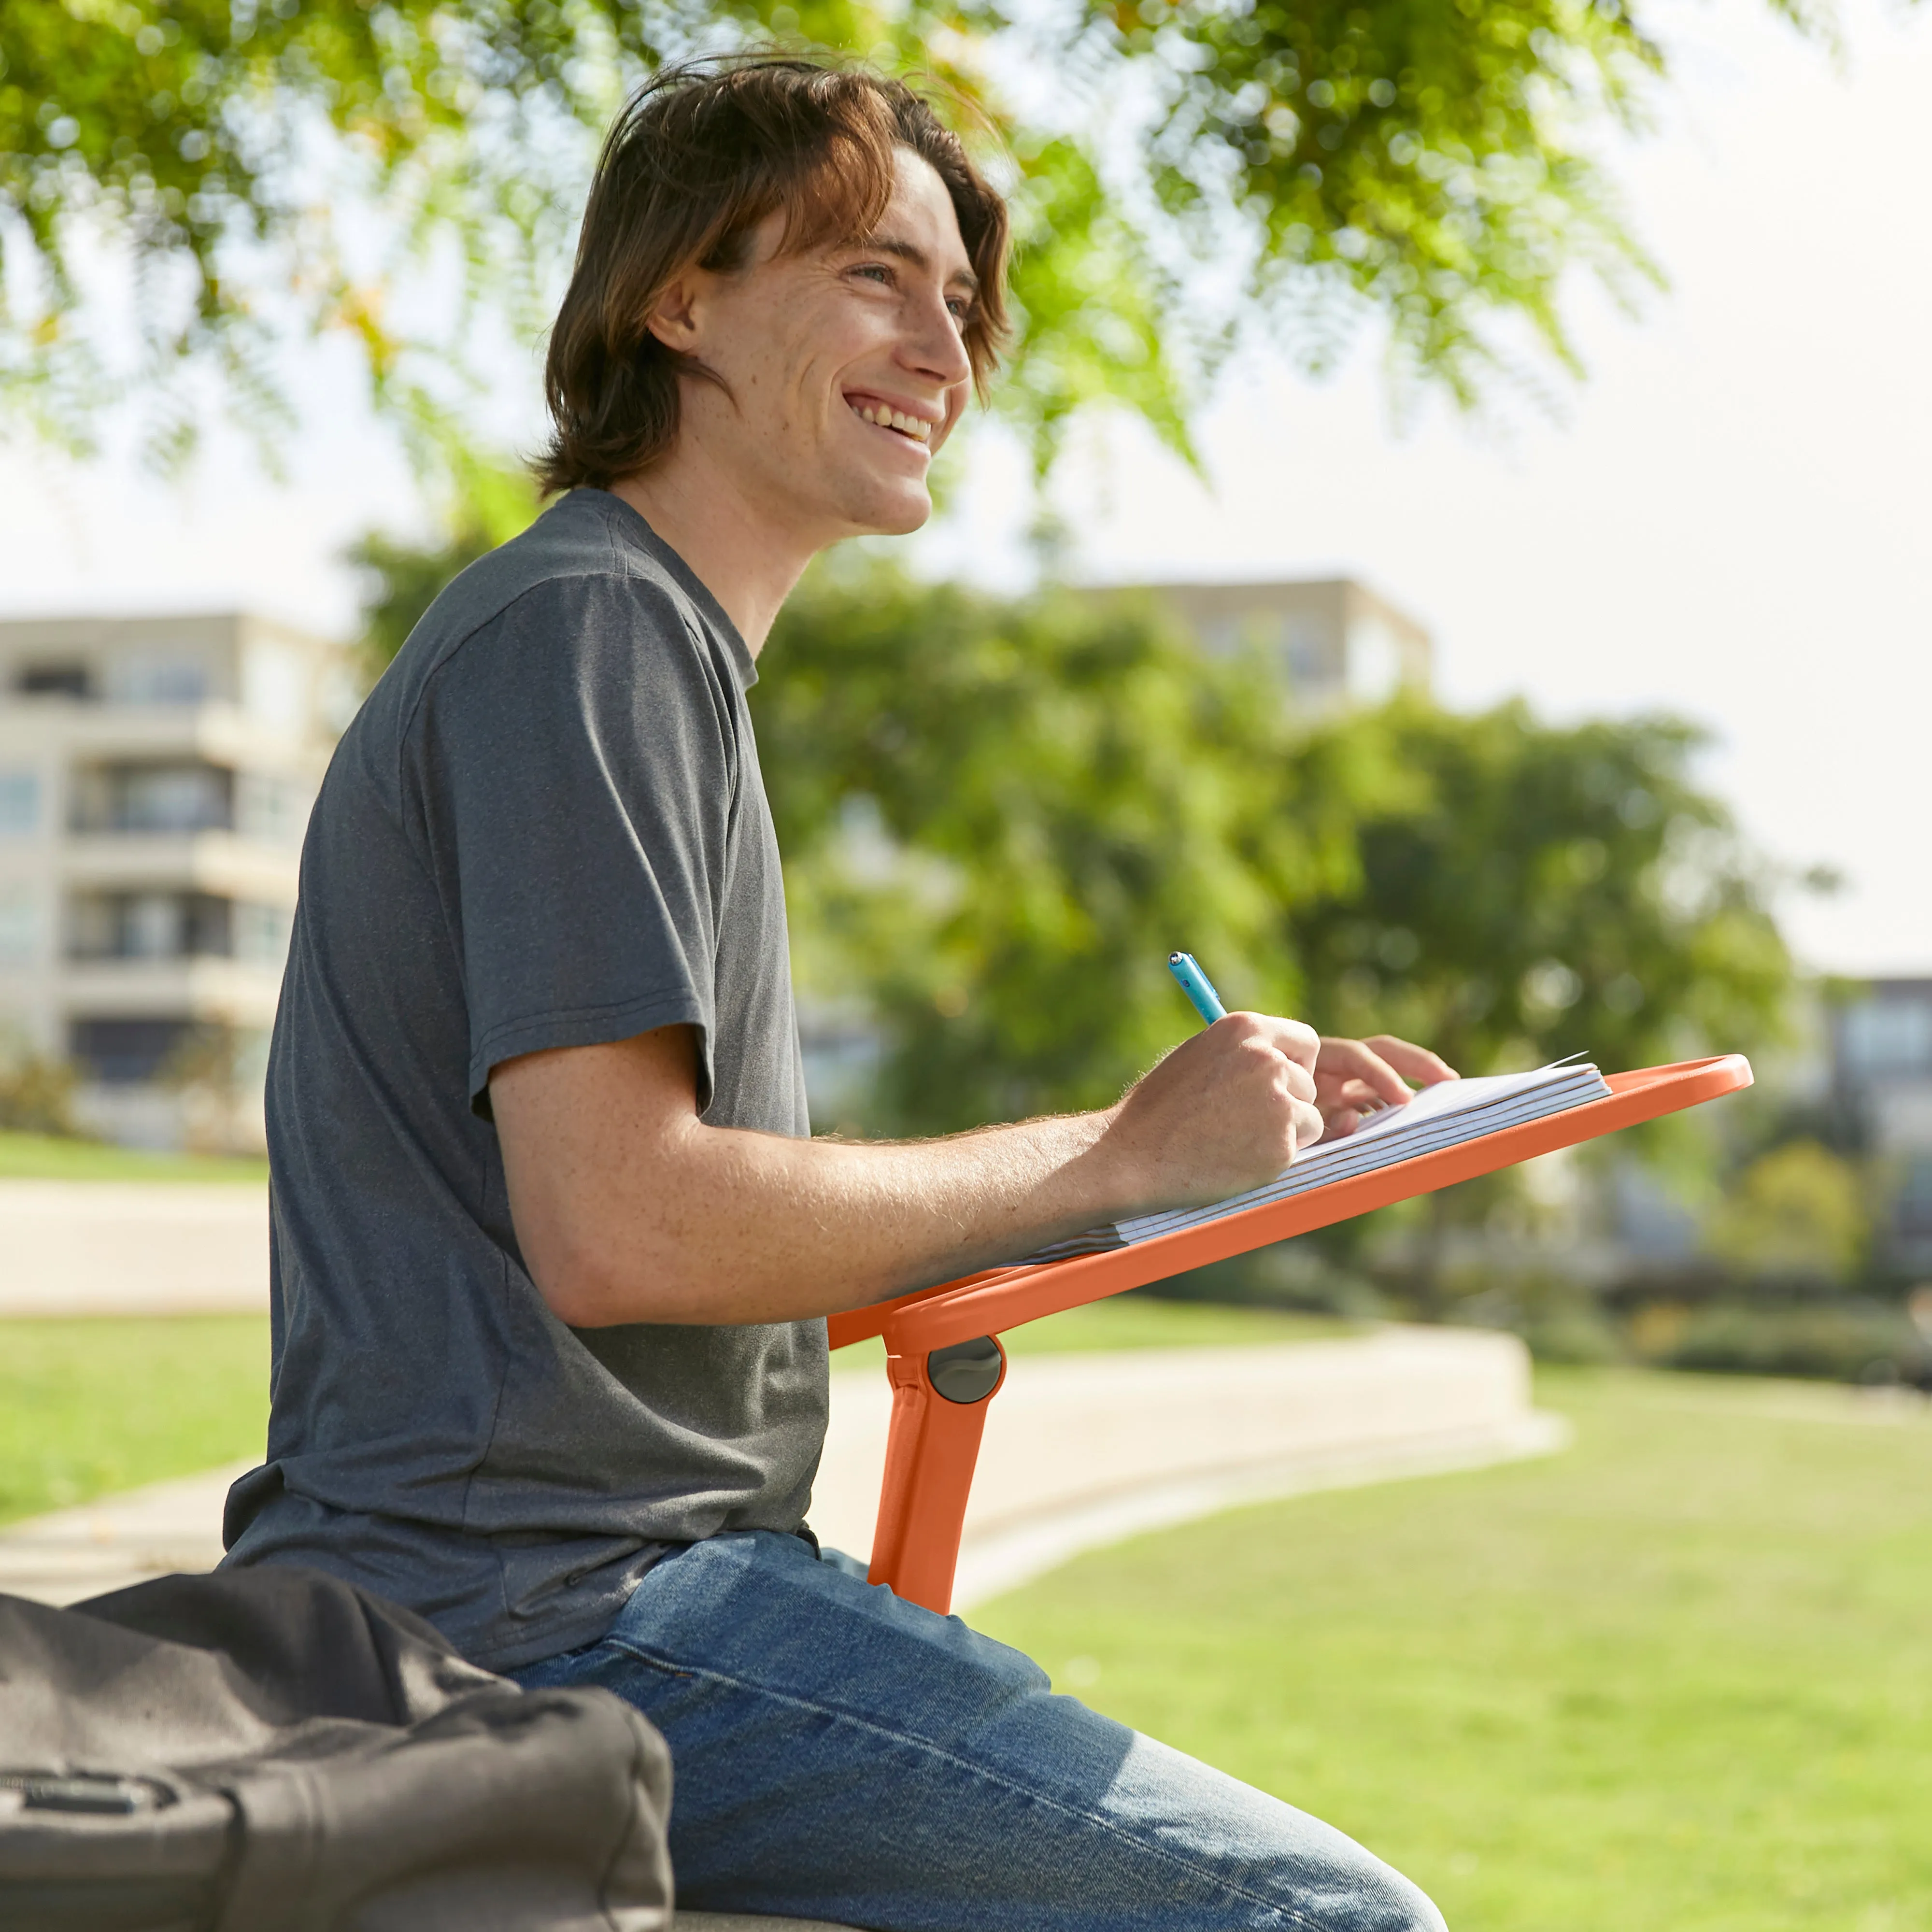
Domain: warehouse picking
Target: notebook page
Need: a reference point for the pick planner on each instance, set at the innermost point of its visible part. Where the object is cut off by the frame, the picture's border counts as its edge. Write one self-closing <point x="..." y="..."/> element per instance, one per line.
<point x="1344" y="1161"/>
<point x="1441" y="1116"/>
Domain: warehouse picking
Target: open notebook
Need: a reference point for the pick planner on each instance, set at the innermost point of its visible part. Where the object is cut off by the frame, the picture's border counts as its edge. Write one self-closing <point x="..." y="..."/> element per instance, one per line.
<point x="1439" y="1116"/>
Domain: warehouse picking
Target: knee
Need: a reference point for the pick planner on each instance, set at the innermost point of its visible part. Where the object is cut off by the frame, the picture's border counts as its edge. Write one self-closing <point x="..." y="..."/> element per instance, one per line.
<point x="1361" y="1894"/>
<point x="1399" y="1905"/>
<point x="1357" y="1892"/>
<point x="1305" y="1876"/>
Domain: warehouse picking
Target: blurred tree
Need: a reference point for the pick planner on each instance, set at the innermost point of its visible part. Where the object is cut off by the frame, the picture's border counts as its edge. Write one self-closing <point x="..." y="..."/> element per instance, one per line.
<point x="1526" y="891"/>
<point x="36" y="1093"/>
<point x="1005" y="815"/>
<point x="999" y="817"/>
<point x="275" y="169"/>
<point x="1798" y="1217"/>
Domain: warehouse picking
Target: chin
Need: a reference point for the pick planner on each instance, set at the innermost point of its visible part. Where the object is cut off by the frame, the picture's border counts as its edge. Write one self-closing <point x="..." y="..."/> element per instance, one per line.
<point x="914" y="517"/>
<point x="898" y="515"/>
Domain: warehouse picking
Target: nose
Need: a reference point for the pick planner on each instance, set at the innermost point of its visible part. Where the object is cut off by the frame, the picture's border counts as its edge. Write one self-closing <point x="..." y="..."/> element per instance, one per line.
<point x="934" y="347"/>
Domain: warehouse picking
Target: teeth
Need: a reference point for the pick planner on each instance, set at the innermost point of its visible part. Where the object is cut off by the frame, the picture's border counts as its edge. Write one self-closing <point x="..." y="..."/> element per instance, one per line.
<point x="917" y="427"/>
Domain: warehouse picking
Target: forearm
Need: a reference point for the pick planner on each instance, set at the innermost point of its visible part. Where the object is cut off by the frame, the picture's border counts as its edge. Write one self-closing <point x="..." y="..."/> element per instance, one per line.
<point x="629" y="1208"/>
<point x="725" y="1226"/>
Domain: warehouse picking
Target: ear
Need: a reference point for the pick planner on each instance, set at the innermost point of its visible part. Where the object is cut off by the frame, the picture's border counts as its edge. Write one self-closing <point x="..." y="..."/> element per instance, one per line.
<point x="676" y="318"/>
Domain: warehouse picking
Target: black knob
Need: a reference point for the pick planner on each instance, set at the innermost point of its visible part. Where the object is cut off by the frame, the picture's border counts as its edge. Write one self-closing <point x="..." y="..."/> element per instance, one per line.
<point x="968" y="1372"/>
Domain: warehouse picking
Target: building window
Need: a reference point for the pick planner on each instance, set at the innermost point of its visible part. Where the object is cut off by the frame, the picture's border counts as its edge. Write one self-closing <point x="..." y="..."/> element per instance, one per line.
<point x="261" y="934"/>
<point x="124" y="1053"/>
<point x="1374" y="671"/>
<point x="273" y="810"/>
<point x="275" y="687"/>
<point x="154" y="798"/>
<point x="151" y="926"/>
<point x="1888" y="1038"/>
<point x="19" y="925"/>
<point x="57" y="680"/>
<point x="146" y="678"/>
<point x="189" y="798"/>
<point x="19" y="804"/>
<point x="1915" y="1199"/>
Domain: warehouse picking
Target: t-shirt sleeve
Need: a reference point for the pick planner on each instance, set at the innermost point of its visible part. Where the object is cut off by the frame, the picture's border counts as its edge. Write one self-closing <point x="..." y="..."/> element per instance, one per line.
<point x="574" y="765"/>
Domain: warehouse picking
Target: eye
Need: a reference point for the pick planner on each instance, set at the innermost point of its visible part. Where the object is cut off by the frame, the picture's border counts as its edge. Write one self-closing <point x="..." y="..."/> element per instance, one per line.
<point x="878" y="271"/>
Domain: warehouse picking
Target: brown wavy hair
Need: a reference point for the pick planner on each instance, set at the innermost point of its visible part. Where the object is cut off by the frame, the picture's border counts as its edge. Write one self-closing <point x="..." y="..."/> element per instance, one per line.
<point x="697" y="159"/>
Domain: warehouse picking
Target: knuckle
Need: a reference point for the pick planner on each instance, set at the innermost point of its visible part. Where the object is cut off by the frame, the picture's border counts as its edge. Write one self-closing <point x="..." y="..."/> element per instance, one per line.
<point x="1256" y="1051"/>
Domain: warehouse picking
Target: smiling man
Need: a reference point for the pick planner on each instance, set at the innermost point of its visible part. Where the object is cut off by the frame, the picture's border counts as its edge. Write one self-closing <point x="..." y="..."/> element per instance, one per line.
<point x="553" y="1248"/>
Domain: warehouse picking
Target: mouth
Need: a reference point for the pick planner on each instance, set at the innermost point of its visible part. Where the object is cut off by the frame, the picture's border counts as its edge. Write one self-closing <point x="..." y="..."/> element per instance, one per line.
<point x="906" y="423"/>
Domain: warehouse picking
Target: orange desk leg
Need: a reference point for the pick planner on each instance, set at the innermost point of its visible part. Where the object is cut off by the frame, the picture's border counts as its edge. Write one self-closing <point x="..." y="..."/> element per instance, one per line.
<point x="939" y="1411"/>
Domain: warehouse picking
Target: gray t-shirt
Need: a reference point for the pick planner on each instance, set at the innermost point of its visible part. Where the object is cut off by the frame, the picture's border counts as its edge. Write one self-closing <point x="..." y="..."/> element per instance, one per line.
<point x="546" y="828"/>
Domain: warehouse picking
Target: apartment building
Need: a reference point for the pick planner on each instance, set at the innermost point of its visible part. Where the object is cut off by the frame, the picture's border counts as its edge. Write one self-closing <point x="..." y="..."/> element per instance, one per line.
<point x="1337" y="642"/>
<point x="156" y="774"/>
<point x="1882" y="1070"/>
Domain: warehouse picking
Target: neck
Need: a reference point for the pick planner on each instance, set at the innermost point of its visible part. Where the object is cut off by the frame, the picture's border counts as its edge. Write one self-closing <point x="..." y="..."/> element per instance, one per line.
<point x="701" y="511"/>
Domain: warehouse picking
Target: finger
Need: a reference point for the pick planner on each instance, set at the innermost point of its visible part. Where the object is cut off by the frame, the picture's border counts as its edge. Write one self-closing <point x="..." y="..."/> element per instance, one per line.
<point x="1357" y="1060"/>
<point x="1295" y="1038"/>
<point x="1415" y="1062"/>
<point x="1300" y="1083"/>
<point x="1339" y="1123"/>
<point x="1357" y="1094"/>
<point x="1309" y="1125"/>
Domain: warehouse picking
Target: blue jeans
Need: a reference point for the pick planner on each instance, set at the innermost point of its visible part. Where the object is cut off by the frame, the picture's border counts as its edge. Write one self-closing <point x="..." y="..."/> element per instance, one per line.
<point x="840" y="1754"/>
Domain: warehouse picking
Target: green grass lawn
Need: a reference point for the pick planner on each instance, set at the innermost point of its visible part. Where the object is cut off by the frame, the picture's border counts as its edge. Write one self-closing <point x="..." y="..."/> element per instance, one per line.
<point x="91" y="1405"/>
<point x="1678" y="1678"/>
<point x="52" y="1157"/>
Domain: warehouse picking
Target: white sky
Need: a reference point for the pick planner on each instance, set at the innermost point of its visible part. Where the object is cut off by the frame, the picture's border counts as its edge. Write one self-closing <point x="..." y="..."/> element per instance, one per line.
<point x="1731" y="521"/>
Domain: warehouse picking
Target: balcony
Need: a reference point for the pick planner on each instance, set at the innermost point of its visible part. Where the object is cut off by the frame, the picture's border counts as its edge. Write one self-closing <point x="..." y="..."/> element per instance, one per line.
<point x="212" y="861"/>
<point x="193" y="951"/>
<point x="175" y="925"/>
<point x="166" y="799"/>
<point x="240" y="991"/>
<point x="188" y="822"/>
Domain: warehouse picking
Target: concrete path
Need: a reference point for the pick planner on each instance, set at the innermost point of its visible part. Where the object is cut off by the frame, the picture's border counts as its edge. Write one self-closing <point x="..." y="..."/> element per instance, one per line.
<point x="1080" y="1450"/>
<point x="147" y="1247"/>
<point x="119" y="1540"/>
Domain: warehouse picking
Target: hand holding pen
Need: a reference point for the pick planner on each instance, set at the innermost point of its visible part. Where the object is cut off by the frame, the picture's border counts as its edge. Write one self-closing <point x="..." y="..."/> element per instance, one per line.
<point x="1353" y="1077"/>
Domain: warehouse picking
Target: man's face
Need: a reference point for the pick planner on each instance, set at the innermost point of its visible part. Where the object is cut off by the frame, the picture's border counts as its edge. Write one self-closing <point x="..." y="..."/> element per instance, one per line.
<point x="845" y="364"/>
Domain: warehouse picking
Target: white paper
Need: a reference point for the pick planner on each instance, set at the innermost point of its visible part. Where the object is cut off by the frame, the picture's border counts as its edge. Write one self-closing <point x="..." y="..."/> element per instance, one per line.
<point x="1441" y="1116"/>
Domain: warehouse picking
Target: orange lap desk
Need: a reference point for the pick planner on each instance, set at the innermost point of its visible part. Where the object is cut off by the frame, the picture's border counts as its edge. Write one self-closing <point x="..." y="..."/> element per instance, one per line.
<point x="945" y="1366"/>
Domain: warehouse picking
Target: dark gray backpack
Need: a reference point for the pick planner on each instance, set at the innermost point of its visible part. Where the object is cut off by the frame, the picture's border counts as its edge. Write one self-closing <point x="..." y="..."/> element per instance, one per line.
<point x="272" y="1751"/>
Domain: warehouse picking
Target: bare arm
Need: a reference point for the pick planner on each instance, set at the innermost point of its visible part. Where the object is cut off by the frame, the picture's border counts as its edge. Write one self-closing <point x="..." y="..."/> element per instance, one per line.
<point x="628" y="1208"/>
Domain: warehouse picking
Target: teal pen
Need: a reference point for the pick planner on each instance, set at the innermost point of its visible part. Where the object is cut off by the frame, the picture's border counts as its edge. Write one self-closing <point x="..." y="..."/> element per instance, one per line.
<point x="1194" y="984"/>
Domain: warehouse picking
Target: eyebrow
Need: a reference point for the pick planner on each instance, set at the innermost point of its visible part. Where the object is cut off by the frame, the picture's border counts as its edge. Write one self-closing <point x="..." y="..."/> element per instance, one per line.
<point x="911" y="251"/>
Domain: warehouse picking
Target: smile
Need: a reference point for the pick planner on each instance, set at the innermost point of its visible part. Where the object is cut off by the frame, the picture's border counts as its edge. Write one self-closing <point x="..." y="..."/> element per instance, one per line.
<point x="881" y="416"/>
